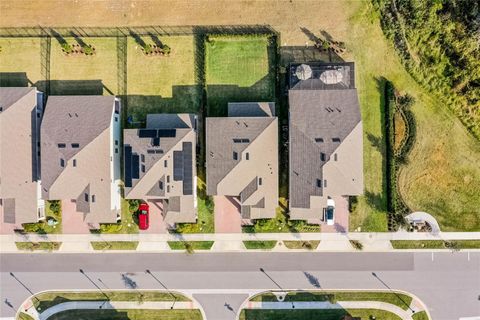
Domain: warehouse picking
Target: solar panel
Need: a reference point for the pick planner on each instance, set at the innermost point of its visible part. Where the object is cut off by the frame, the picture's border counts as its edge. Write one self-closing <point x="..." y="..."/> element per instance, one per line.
<point x="147" y="133"/>
<point x="167" y="133"/>
<point x="128" y="166"/>
<point x="177" y="165"/>
<point x="135" y="166"/>
<point x="187" y="168"/>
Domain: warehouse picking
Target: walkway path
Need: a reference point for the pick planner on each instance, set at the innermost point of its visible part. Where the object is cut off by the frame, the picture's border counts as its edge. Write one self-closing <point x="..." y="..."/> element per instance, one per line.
<point x="423" y="216"/>
<point x="403" y="314"/>
<point x="232" y="242"/>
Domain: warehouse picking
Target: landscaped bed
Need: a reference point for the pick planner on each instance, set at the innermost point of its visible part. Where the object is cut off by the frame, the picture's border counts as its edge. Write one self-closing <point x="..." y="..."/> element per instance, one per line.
<point x="53" y="212"/>
<point x="281" y="223"/>
<point x="126" y="225"/>
<point x="238" y="69"/>
<point x="114" y="245"/>
<point x="307" y="245"/>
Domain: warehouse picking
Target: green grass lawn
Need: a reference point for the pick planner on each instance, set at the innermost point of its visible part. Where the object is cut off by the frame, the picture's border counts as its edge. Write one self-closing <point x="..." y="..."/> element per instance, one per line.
<point x="307" y="245"/>
<point x="114" y="245"/>
<point x="32" y="246"/>
<point x="43" y="227"/>
<point x="190" y="245"/>
<point x="420" y="316"/>
<point x="127" y="225"/>
<point x="157" y="84"/>
<point x="19" y="62"/>
<point x="399" y="299"/>
<point x="84" y="75"/>
<point x="46" y="300"/>
<point x="24" y="316"/>
<point x="266" y="244"/>
<point x="435" y="244"/>
<point x="319" y="314"/>
<point x="442" y="168"/>
<point x="238" y="69"/>
<point x="133" y="314"/>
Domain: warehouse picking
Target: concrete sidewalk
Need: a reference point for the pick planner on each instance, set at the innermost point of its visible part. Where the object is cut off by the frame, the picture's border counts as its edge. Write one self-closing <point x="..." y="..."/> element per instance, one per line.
<point x="230" y="242"/>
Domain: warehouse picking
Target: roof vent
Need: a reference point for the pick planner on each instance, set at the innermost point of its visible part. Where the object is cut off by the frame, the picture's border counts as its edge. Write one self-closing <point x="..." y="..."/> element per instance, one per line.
<point x="303" y="72"/>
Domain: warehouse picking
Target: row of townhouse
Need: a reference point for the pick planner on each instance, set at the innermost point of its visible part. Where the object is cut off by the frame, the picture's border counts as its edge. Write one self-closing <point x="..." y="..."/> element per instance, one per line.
<point x="71" y="150"/>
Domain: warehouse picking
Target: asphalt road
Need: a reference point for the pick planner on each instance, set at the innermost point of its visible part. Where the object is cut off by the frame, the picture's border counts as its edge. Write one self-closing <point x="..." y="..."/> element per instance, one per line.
<point x="449" y="283"/>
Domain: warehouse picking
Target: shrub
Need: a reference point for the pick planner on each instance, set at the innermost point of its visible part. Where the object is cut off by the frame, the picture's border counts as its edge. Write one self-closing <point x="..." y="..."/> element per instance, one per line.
<point x="166" y="49"/>
<point x="88" y="50"/>
<point x="148" y="49"/>
<point x="133" y="205"/>
<point x="67" y="48"/>
<point x="55" y="206"/>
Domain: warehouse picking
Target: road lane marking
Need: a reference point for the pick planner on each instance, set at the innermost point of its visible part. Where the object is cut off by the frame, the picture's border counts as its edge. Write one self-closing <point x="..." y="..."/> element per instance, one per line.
<point x="432" y="256"/>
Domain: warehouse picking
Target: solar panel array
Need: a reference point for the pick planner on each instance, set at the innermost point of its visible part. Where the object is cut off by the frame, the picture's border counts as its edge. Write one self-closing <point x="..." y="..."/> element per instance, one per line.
<point x="128" y="166"/>
<point x="187" y="168"/>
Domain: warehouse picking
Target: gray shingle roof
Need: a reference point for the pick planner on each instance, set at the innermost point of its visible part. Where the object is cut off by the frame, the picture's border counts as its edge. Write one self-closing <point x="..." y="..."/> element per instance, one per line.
<point x="321" y="120"/>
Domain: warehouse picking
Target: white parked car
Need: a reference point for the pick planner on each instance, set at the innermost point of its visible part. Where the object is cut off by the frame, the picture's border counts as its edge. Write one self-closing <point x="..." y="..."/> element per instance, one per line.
<point x="330" y="212"/>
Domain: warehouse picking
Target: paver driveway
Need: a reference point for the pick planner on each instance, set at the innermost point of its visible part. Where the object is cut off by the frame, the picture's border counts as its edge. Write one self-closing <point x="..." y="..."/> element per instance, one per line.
<point x="227" y="215"/>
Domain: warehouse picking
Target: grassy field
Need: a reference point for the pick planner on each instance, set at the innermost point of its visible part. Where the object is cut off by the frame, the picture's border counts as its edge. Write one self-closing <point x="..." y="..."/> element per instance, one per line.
<point x="114" y="245"/>
<point x="19" y="62"/>
<point x="167" y="314"/>
<point x="401" y="300"/>
<point x="84" y="75"/>
<point x="266" y="244"/>
<point x="238" y="69"/>
<point x="46" y="300"/>
<point x="259" y="314"/>
<point x="32" y="246"/>
<point x="443" y="165"/>
<point x="307" y="245"/>
<point x="191" y="245"/>
<point x="158" y="84"/>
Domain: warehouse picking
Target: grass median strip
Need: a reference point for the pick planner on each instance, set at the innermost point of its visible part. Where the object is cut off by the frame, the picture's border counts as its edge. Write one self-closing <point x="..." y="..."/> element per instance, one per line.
<point x="308" y="245"/>
<point x="166" y="314"/>
<point x="32" y="246"/>
<point x="47" y="300"/>
<point x="190" y="245"/>
<point x="399" y="299"/>
<point x="420" y="316"/>
<point x="266" y="245"/>
<point x="114" y="245"/>
<point x="435" y="244"/>
<point x="317" y="314"/>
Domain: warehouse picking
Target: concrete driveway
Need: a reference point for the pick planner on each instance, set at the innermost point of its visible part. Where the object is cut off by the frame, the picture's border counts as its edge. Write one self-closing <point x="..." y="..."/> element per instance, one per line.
<point x="227" y="215"/>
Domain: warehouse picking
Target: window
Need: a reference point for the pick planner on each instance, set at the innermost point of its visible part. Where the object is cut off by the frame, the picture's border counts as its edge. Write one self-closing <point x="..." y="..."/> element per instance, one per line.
<point x="247" y="156"/>
<point x="116" y="150"/>
<point x="318" y="139"/>
<point x="235" y="155"/>
<point x="142" y="157"/>
<point x="324" y="183"/>
<point x="160" y="185"/>
<point x="62" y="163"/>
<point x="143" y="168"/>
<point x="62" y="145"/>
<point x="319" y="183"/>
<point x="335" y="139"/>
<point x="168" y="188"/>
<point x="168" y="178"/>
<point x="335" y="157"/>
<point x="93" y="198"/>
<point x="86" y="197"/>
<point x="74" y="162"/>
<point x="116" y="118"/>
<point x="260" y="181"/>
<point x="75" y="145"/>
<point x="116" y="142"/>
<point x="165" y="163"/>
<point x="322" y="156"/>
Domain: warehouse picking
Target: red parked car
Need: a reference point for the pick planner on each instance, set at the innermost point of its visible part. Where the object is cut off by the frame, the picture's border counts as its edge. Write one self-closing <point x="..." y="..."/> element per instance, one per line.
<point x="143" y="216"/>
